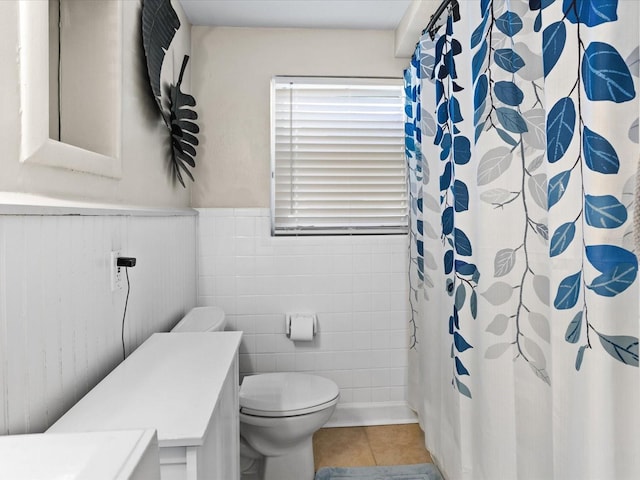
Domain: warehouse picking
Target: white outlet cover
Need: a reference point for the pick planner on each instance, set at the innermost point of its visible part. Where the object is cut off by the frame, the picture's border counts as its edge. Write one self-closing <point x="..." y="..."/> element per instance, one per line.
<point x="115" y="271"/>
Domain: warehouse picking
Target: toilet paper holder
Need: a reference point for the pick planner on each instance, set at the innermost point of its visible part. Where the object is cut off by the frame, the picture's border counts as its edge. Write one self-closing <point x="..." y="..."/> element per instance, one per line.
<point x="290" y="316"/>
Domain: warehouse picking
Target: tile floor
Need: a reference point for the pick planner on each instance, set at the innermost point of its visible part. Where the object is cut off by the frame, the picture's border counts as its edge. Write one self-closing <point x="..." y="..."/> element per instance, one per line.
<point x="369" y="446"/>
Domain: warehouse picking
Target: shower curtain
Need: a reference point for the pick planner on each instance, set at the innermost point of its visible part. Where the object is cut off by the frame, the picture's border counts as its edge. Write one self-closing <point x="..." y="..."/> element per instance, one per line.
<point x="522" y="149"/>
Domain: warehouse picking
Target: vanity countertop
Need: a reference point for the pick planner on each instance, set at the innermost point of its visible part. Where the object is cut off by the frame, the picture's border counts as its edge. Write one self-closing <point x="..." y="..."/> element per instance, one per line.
<point x="115" y="455"/>
<point x="171" y="383"/>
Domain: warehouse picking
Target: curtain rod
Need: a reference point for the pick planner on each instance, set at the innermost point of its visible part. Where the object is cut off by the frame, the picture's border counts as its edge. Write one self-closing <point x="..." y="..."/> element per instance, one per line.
<point x="431" y="26"/>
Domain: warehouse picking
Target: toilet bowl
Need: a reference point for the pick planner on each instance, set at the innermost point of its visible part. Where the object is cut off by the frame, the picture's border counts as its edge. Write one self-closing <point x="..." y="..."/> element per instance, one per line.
<point x="279" y="412"/>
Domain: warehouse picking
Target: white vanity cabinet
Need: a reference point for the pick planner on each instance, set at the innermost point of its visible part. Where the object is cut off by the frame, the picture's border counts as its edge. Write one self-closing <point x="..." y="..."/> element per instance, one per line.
<point x="185" y="385"/>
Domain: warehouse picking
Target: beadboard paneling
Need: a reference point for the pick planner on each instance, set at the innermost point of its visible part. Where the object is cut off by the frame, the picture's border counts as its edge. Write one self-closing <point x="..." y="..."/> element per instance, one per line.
<point x="60" y="324"/>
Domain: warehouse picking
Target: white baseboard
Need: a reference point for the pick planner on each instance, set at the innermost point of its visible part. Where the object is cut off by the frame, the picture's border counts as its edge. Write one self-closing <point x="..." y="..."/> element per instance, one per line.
<point x="365" y="414"/>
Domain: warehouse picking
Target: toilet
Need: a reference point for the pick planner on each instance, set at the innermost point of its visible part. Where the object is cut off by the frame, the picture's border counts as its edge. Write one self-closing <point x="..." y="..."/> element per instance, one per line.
<point x="279" y="412"/>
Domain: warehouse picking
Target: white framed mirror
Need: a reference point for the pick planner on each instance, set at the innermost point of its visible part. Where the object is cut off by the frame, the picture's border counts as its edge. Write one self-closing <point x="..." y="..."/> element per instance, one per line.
<point x="71" y="84"/>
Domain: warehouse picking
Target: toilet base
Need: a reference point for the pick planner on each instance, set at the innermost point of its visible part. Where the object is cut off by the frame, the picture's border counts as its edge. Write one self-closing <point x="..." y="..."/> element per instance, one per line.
<point x="297" y="464"/>
<point x="251" y="462"/>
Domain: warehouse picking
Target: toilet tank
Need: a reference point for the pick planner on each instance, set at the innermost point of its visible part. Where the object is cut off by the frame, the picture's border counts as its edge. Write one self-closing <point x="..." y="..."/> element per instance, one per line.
<point x="202" y="319"/>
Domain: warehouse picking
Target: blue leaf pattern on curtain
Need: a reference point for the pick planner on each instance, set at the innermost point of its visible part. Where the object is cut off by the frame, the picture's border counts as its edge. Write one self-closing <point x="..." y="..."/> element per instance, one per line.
<point x="603" y="75"/>
<point x="531" y="110"/>
<point x="455" y="151"/>
<point x="590" y="12"/>
<point x="511" y="108"/>
<point x="417" y="172"/>
<point x="419" y="121"/>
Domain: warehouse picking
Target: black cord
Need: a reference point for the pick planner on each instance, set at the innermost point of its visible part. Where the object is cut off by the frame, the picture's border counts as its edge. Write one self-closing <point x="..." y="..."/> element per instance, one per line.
<point x="124" y="315"/>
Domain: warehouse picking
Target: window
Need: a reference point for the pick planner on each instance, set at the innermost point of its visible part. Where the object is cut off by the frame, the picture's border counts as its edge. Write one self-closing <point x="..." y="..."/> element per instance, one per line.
<point x="338" y="163"/>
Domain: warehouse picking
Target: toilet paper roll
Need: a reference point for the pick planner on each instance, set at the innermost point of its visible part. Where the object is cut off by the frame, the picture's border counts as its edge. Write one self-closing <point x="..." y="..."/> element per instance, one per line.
<point x="301" y="327"/>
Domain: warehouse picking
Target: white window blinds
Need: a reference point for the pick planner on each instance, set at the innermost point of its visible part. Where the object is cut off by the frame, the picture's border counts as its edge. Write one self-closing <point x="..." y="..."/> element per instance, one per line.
<point x="338" y="164"/>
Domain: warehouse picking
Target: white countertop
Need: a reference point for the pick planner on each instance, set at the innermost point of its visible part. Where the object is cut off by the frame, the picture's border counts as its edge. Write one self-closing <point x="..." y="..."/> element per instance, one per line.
<point x="78" y="456"/>
<point x="172" y="383"/>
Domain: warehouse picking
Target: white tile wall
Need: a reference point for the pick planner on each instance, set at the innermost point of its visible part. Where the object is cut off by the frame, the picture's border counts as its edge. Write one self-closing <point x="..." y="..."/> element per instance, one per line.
<point x="60" y="324"/>
<point x="357" y="286"/>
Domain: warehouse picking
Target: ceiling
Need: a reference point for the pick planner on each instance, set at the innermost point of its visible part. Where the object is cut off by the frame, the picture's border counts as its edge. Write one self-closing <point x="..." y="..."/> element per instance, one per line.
<point x="347" y="14"/>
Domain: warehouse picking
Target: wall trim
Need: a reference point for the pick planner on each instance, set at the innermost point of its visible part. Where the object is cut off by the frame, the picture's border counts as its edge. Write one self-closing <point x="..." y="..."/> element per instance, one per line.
<point x="374" y="413"/>
<point x="26" y="204"/>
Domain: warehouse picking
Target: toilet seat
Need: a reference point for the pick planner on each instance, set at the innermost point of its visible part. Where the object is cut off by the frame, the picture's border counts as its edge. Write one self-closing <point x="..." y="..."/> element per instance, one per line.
<point x="286" y="394"/>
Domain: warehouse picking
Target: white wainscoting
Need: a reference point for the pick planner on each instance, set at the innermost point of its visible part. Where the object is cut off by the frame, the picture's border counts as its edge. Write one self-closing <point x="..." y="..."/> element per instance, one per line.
<point x="60" y="324"/>
<point x="357" y="285"/>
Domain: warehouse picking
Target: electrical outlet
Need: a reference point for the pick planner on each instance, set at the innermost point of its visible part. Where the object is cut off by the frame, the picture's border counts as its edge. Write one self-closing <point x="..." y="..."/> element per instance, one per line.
<point x="116" y="271"/>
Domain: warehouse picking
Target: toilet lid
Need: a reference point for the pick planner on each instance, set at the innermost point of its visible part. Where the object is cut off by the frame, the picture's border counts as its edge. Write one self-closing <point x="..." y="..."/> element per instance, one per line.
<point x="281" y="394"/>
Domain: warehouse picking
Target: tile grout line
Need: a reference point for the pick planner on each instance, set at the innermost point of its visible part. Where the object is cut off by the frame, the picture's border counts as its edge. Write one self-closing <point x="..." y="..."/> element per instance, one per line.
<point x="373" y="455"/>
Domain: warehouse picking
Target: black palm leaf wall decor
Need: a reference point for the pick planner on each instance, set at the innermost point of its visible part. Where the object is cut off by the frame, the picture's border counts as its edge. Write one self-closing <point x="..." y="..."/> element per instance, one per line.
<point x="159" y="25"/>
<point x="183" y="129"/>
